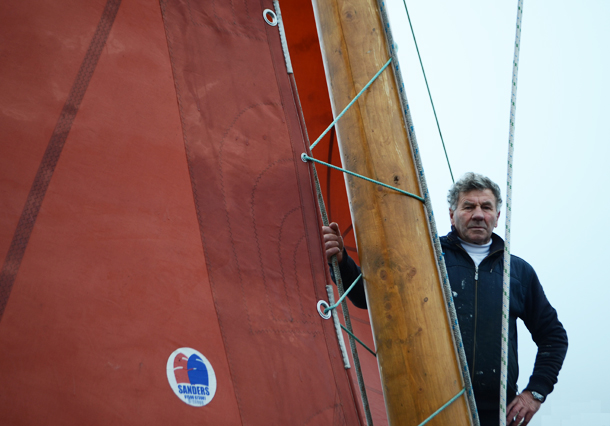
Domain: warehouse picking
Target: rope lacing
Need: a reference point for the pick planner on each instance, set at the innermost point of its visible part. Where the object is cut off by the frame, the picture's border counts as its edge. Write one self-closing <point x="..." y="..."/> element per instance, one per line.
<point x="334" y="306"/>
<point x="359" y="341"/>
<point x="467" y="389"/>
<point x="306" y="158"/>
<point x="351" y="103"/>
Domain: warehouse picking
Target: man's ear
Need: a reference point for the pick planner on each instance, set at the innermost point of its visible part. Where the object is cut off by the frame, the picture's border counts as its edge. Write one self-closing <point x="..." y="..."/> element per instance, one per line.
<point x="497" y="219"/>
<point x="451" y="216"/>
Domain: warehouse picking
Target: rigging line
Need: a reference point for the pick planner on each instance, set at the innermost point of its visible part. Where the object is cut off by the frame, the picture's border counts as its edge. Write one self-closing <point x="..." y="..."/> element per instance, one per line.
<point x="322" y="208"/>
<point x="329" y="290"/>
<point x="351" y="103"/>
<point x="344" y="308"/>
<point x="429" y="94"/>
<point x="334" y="306"/>
<point x="358" y="340"/>
<point x="509" y="196"/>
<point x="306" y="158"/>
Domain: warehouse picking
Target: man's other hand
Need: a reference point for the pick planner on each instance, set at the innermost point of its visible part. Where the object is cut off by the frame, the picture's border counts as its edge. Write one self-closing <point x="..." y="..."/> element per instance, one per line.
<point x="522" y="409"/>
<point x="333" y="242"/>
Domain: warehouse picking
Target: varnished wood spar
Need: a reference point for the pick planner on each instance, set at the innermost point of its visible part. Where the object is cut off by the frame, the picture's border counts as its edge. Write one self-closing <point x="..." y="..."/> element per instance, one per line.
<point x="415" y="350"/>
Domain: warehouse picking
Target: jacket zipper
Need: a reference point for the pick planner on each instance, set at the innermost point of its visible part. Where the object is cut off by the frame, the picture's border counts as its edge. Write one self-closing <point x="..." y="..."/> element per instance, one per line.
<point x="476" y="307"/>
<point x="476" y="311"/>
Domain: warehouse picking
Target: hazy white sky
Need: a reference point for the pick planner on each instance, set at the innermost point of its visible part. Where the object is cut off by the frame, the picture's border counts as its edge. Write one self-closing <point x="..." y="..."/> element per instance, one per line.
<point x="561" y="176"/>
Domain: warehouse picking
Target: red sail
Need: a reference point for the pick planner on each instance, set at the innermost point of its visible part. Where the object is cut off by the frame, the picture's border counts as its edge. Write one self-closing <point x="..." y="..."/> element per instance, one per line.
<point x="153" y="198"/>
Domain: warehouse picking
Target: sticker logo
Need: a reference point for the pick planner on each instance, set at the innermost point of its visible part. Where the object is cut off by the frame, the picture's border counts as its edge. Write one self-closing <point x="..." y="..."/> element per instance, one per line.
<point x="191" y="377"/>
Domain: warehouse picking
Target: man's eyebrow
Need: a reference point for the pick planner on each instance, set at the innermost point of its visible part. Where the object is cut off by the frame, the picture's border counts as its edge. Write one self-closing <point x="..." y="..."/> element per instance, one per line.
<point x="472" y="203"/>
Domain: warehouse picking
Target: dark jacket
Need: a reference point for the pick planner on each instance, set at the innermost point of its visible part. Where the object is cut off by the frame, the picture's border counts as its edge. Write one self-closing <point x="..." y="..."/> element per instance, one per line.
<point x="477" y="295"/>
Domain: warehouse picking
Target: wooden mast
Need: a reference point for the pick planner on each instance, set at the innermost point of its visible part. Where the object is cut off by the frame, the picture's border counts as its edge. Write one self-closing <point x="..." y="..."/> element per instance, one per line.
<point x="415" y="350"/>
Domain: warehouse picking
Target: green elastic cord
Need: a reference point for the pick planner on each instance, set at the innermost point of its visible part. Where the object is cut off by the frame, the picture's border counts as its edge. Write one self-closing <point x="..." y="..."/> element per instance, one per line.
<point x="350" y="104"/>
<point x="358" y="340"/>
<point x="306" y="157"/>
<point x="443" y="407"/>
<point x="330" y="308"/>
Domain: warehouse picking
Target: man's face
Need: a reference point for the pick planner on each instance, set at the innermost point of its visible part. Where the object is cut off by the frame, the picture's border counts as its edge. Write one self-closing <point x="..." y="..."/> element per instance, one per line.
<point x="475" y="216"/>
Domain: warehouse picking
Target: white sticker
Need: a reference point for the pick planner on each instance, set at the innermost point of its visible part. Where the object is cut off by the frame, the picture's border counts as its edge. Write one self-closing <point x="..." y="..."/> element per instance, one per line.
<point x="191" y="377"/>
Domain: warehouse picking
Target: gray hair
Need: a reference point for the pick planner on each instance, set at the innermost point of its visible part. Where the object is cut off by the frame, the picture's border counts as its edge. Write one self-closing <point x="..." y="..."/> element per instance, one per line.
<point x="469" y="182"/>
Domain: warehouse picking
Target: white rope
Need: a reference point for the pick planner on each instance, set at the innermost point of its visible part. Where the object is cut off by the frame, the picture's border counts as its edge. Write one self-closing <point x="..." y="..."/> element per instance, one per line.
<point x="509" y="195"/>
<point x="283" y="42"/>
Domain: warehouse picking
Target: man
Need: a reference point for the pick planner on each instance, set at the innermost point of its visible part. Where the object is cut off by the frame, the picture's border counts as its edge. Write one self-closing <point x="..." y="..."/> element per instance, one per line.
<point x="474" y="260"/>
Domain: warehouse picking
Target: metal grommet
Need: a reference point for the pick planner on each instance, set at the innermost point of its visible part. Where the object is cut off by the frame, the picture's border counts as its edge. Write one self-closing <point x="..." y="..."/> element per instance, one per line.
<point x="322" y="306"/>
<point x="304" y="157"/>
<point x="266" y="14"/>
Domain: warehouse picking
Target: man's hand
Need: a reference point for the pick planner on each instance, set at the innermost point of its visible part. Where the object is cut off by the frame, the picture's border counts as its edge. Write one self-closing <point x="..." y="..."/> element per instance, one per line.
<point x="333" y="242"/>
<point x="522" y="408"/>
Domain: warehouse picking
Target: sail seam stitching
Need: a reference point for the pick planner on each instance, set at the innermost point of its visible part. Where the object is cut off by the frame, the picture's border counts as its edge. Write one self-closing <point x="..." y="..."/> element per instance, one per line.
<point x="49" y="161"/>
<point x="189" y="161"/>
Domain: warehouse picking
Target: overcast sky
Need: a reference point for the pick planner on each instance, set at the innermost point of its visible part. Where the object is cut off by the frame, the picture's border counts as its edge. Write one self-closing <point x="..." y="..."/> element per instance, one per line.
<point x="561" y="175"/>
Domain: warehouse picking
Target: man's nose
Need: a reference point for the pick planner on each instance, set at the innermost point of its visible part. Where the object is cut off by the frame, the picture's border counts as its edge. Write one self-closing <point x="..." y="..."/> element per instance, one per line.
<point x="478" y="214"/>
